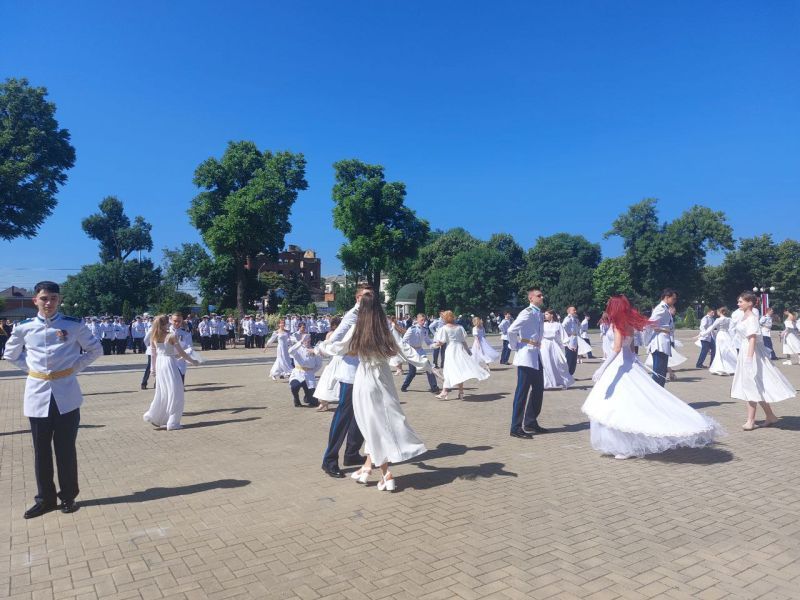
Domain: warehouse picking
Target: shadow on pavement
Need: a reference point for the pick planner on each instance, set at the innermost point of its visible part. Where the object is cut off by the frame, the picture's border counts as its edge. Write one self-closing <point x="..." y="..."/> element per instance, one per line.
<point x="213" y="423"/>
<point x="20" y="431"/>
<point x="788" y="423"/>
<point x="693" y="456"/>
<point x="697" y="405"/>
<point x="570" y="428"/>
<point x="212" y="388"/>
<point x="159" y="493"/>
<point x="234" y="411"/>
<point x="431" y="477"/>
<point x="485" y="397"/>
<point x="446" y="449"/>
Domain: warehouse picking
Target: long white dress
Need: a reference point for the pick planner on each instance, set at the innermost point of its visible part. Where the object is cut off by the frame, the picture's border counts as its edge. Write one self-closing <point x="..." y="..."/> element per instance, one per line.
<point x="328" y="386"/>
<point x="554" y="362"/>
<point x="459" y="366"/>
<point x="607" y="338"/>
<point x="380" y="418"/>
<point x="631" y="415"/>
<point x="675" y="359"/>
<point x="725" y="357"/>
<point x="166" y="409"/>
<point x="759" y="380"/>
<point x="482" y="351"/>
<point x="791" y="338"/>
<point x="283" y="363"/>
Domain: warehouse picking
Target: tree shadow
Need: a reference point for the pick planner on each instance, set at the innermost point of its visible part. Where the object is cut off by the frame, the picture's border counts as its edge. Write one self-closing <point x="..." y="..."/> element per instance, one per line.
<point x="485" y="397"/>
<point x="698" y="405"/>
<point x="159" y="493"/>
<point x="212" y="388"/>
<point x="233" y="411"/>
<point x="431" y="477"/>
<point x="21" y="431"/>
<point x="446" y="449"/>
<point x="213" y="423"/>
<point x="694" y="456"/>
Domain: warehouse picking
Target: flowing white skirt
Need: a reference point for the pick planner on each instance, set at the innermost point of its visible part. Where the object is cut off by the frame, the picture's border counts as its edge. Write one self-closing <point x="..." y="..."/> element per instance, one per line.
<point x="328" y="386"/>
<point x="167" y="406"/>
<point x="554" y="366"/>
<point x="283" y="363"/>
<point x="410" y="355"/>
<point x="791" y="344"/>
<point x="584" y="348"/>
<point x="632" y="415"/>
<point x="725" y="357"/>
<point x="483" y="352"/>
<point x="387" y="435"/>
<point x="675" y="359"/>
<point x="459" y="366"/>
<point x="760" y="381"/>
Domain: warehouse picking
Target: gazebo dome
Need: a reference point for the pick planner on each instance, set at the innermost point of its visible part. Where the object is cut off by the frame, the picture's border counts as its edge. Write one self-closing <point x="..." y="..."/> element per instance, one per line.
<point x="408" y="293"/>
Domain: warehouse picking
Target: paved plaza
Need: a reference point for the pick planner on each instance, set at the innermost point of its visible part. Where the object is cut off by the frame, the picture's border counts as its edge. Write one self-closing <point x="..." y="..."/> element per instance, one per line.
<point x="235" y="504"/>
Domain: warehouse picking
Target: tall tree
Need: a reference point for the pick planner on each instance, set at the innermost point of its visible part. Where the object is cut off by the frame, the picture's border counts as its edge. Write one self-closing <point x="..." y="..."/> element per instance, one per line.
<point x="612" y="276"/>
<point x="113" y="230"/>
<point x="245" y="208"/>
<point x="35" y="155"/>
<point x="545" y="262"/>
<point x="372" y="215"/>
<point x="574" y="288"/>
<point x="437" y="254"/>
<point x="103" y="288"/>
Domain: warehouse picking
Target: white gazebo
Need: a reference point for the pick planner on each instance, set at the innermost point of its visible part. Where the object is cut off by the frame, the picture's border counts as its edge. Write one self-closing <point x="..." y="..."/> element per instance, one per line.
<point x="408" y="300"/>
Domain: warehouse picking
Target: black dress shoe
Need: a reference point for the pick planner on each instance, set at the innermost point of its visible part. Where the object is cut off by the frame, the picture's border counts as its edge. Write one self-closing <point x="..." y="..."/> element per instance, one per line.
<point x="297" y="405"/>
<point x="144" y="386"/>
<point x="334" y="471"/>
<point x="38" y="509"/>
<point x="521" y="434"/>
<point x="538" y="429"/>
<point x="354" y="461"/>
<point x="68" y="506"/>
<point x="403" y="389"/>
<point x="435" y="390"/>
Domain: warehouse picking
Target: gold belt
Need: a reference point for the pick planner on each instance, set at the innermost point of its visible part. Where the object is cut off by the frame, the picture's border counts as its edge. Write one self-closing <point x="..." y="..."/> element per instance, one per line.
<point x="50" y="376"/>
<point x="305" y="368"/>
<point x="530" y="342"/>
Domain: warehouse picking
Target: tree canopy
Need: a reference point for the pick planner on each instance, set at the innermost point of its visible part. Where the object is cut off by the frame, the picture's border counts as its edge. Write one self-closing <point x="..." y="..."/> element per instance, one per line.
<point x="113" y="230"/>
<point x="35" y="154"/>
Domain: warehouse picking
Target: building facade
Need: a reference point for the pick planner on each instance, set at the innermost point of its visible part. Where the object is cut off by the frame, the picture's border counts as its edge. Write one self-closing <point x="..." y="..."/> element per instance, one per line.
<point x="304" y="264"/>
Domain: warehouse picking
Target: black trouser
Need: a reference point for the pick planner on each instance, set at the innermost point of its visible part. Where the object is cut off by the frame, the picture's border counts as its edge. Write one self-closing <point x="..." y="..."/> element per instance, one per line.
<point x="308" y="394"/>
<point x="56" y="432"/>
<point x="222" y="340"/>
<point x="437" y="354"/>
<point x="572" y="359"/>
<point x="586" y="339"/>
<point x="214" y="341"/>
<point x="260" y="341"/>
<point x="527" y="398"/>
<point x="138" y="345"/>
<point x="412" y="371"/>
<point x="505" y="353"/>
<point x="768" y="345"/>
<point x="121" y="345"/>
<point x="146" y="377"/>
<point x="3" y="340"/>
<point x="343" y="425"/>
<point x="660" y="365"/>
<point x="248" y="341"/>
<point x="706" y="346"/>
<point x="106" y="344"/>
<point x="205" y="342"/>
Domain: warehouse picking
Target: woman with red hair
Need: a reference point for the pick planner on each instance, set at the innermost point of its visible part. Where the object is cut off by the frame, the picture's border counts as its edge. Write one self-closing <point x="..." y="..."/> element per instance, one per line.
<point x="630" y="414"/>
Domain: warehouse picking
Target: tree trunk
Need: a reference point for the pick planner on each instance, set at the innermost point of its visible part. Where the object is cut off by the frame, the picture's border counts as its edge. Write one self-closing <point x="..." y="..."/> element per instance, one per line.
<point x="240" y="281"/>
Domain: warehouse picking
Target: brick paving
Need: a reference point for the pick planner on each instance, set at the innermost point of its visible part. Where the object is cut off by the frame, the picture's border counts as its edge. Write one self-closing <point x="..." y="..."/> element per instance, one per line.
<point x="235" y="504"/>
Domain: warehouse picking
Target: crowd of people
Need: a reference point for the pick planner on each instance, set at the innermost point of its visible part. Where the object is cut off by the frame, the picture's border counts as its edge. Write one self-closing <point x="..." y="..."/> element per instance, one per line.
<point x="631" y="413"/>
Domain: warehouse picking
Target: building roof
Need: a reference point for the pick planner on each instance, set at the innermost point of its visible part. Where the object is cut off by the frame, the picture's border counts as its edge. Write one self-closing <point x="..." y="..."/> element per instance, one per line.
<point x="408" y="293"/>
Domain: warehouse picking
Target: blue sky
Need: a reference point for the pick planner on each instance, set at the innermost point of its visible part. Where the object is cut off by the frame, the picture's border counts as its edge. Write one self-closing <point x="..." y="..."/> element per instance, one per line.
<point x="522" y="117"/>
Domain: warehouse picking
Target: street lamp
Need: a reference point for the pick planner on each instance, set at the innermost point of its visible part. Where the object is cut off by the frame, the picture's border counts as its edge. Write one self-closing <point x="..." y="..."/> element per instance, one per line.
<point x="765" y="291"/>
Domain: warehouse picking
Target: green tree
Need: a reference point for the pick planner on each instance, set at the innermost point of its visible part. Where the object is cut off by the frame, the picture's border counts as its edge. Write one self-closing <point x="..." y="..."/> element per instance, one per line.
<point x="547" y="259"/>
<point x="611" y="277"/>
<point x="785" y="276"/>
<point x="437" y="254"/>
<point x="103" y="288"/>
<point x="113" y="230"/>
<point x="245" y="208"/>
<point x="372" y="215"/>
<point x="35" y="155"/>
<point x="507" y="245"/>
<point x="690" y="318"/>
<point x="574" y="288"/>
<point x="297" y="293"/>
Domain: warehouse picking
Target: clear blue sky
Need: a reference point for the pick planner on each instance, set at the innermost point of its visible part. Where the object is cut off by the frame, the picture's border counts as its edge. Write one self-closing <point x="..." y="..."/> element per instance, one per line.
<point x="522" y="117"/>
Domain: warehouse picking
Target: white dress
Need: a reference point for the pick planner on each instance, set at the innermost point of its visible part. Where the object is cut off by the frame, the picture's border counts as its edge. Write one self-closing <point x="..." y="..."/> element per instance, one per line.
<point x="791" y="338"/>
<point x="758" y="381"/>
<point x="283" y="363"/>
<point x="166" y="409"/>
<point x="554" y="362"/>
<point x="481" y="349"/>
<point x="725" y="357"/>
<point x="380" y="418"/>
<point x="631" y="415"/>
<point x="328" y="386"/>
<point x="459" y="366"/>
<point x="607" y="338"/>
<point x="675" y="359"/>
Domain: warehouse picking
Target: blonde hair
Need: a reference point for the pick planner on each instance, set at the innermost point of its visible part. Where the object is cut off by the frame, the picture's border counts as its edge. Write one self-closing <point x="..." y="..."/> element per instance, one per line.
<point x="448" y="316"/>
<point x="160" y="328"/>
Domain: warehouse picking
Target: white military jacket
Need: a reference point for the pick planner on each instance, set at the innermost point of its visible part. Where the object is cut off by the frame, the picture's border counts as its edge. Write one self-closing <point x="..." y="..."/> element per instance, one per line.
<point x="662" y="319"/>
<point x="573" y="327"/>
<point x="47" y="348"/>
<point x="525" y="335"/>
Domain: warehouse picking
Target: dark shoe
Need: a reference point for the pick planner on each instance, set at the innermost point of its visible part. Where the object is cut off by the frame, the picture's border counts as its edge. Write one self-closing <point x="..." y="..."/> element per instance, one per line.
<point x="68" y="506"/>
<point x="144" y="386"/>
<point x="354" y="461"/>
<point x="435" y="390"/>
<point x="403" y="389"/>
<point x="537" y="429"/>
<point x="38" y="509"/>
<point x="521" y="434"/>
<point x="333" y="471"/>
<point x="297" y="405"/>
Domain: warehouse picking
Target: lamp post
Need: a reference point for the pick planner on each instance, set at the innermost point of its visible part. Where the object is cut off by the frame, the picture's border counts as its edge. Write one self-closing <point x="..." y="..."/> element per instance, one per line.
<point x="765" y="292"/>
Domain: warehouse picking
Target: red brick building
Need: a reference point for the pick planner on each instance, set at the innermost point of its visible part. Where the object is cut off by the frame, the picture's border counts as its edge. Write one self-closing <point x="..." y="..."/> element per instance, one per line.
<point x="303" y="263"/>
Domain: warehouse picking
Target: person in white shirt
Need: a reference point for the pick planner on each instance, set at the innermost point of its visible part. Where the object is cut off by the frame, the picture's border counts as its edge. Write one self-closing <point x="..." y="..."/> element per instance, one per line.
<point x="137" y="334"/>
<point x="505" y="353"/>
<point x="660" y="345"/>
<point x="707" y="343"/>
<point x="204" y="328"/>
<point x="766" y="332"/>
<point x="438" y="352"/>
<point x="572" y="327"/>
<point x="416" y="337"/>
<point x="48" y="348"/>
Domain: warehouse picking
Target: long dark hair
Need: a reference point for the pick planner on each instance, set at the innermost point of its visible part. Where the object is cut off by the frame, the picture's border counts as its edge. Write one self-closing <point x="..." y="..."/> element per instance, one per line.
<point x="371" y="335"/>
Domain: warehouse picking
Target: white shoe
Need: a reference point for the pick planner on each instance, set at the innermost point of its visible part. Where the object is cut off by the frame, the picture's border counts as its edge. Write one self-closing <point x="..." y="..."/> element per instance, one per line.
<point x="621" y="456"/>
<point x="387" y="485"/>
<point x="361" y="476"/>
<point x="174" y="427"/>
<point x="787" y="362"/>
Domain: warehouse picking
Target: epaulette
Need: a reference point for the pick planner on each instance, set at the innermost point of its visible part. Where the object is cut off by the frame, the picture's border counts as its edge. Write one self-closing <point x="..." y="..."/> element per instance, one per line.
<point x="24" y="321"/>
<point x="73" y="319"/>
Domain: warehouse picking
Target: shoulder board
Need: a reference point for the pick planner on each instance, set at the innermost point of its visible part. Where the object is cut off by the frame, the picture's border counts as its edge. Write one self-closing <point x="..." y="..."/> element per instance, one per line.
<point x="73" y="319"/>
<point x="24" y="321"/>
